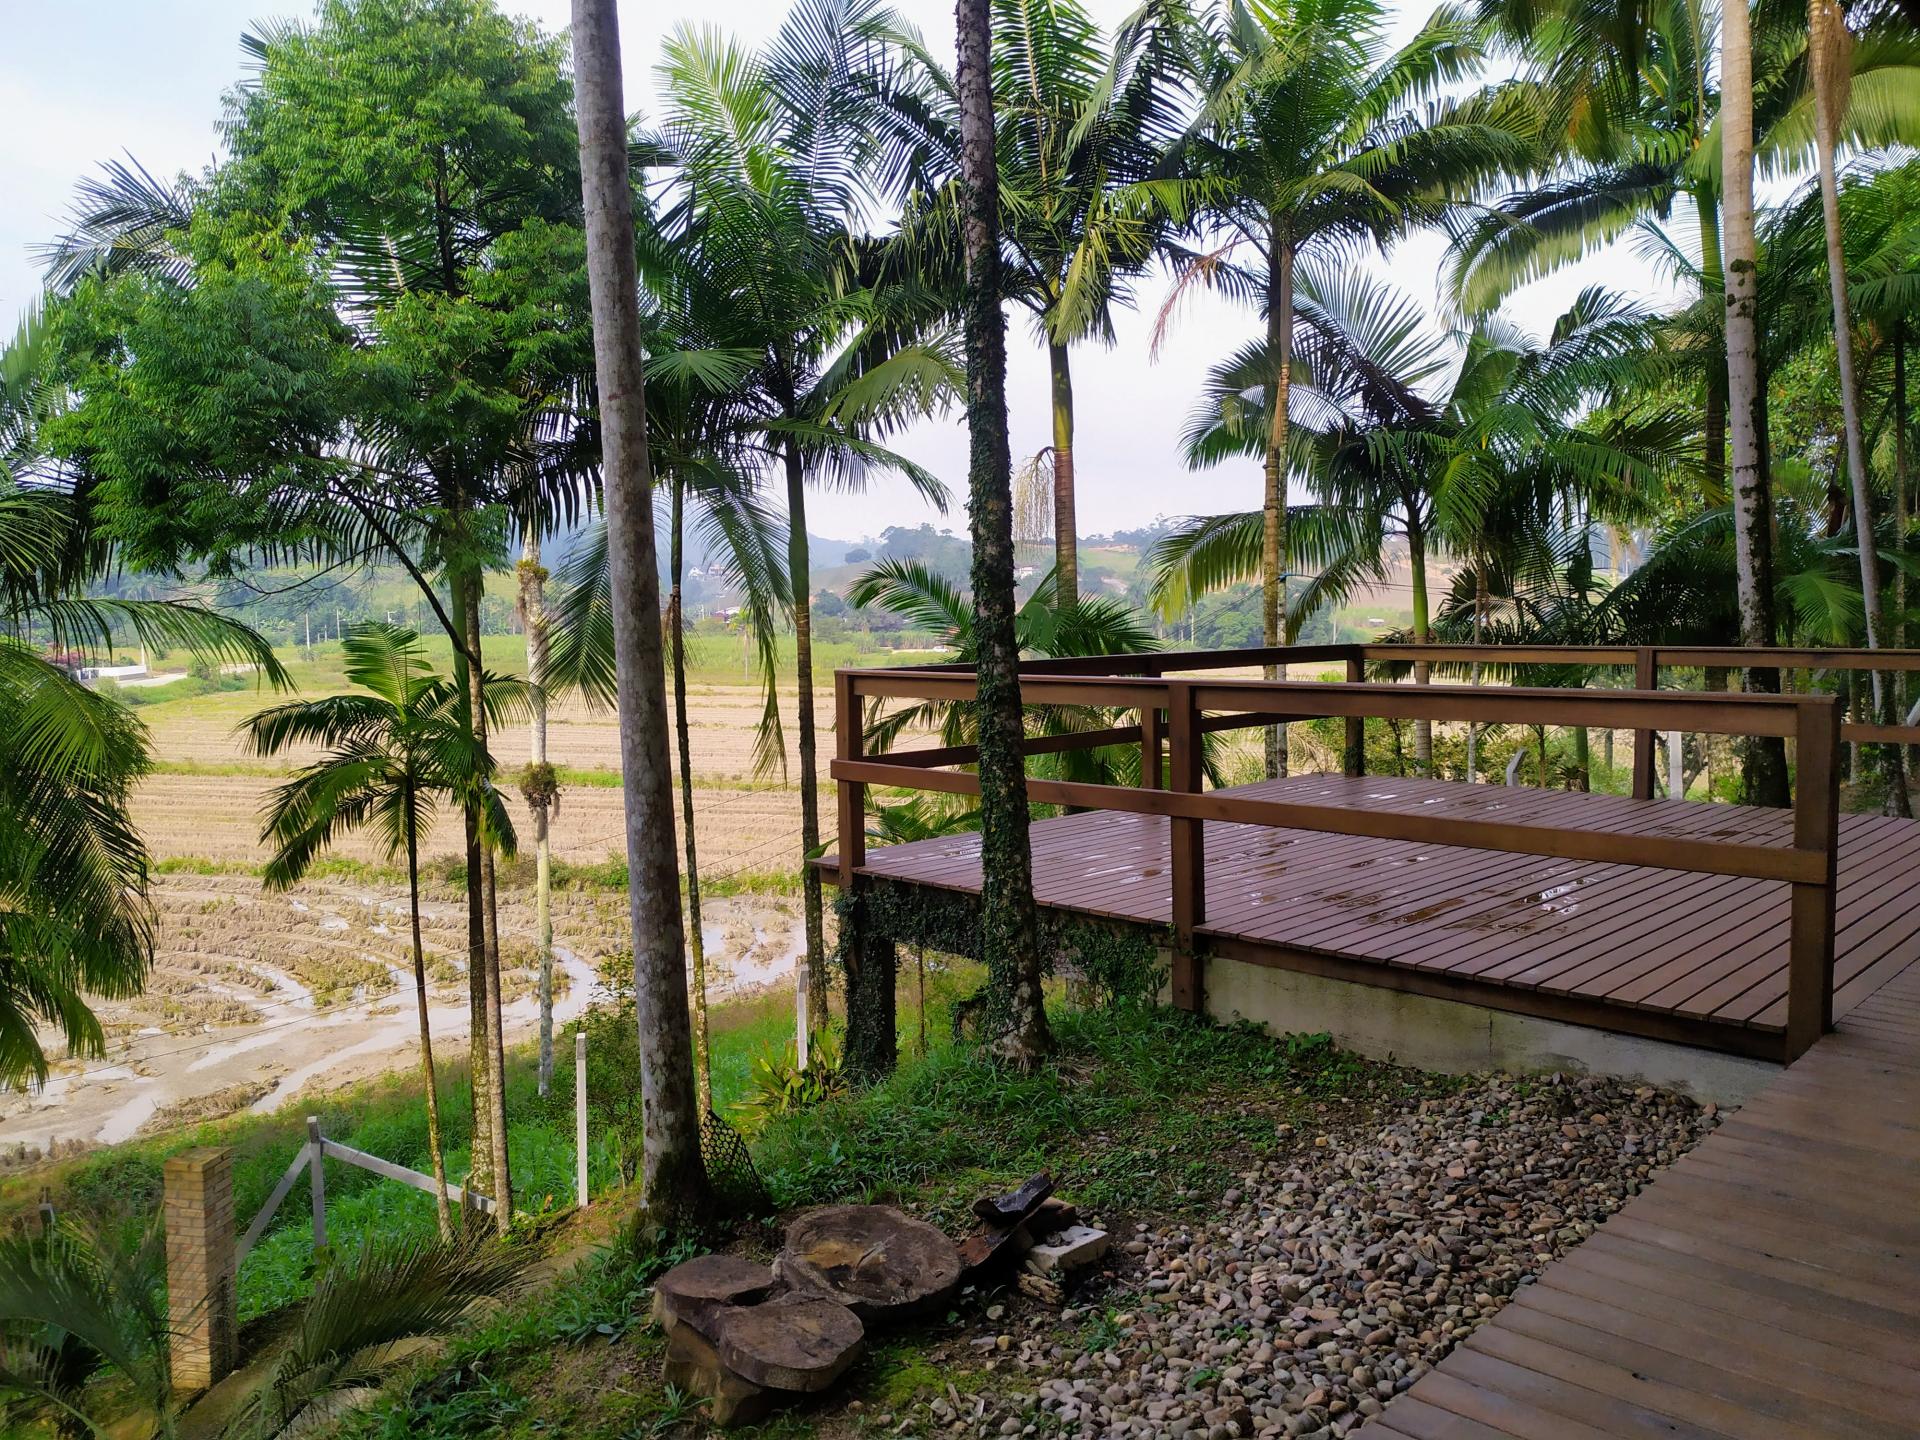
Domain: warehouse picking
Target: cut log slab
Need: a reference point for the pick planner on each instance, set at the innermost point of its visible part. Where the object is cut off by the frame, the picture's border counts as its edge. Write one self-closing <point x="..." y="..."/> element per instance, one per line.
<point x="792" y="1342"/>
<point x="880" y="1264"/>
<point x="691" y="1292"/>
<point x="695" y="1366"/>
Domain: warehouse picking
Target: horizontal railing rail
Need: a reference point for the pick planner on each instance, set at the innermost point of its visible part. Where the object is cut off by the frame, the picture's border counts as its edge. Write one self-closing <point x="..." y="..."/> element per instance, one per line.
<point x="1176" y="712"/>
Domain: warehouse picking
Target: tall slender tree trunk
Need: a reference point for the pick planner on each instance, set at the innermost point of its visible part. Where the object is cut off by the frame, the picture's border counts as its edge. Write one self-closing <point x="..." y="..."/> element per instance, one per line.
<point x="1902" y="500"/>
<point x="696" y="938"/>
<point x="1713" y="430"/>
<point x="1422" y="634"/>
<point x="479" y="1061"/>
<point x="1275" y="552"/>
<point x="539" y="789"/>
<point x="442" y="1212"/>
<point x="502" y="1191"/>
<point x="799" y="571"/>
<point x="673" y="1172"/>
<point x="1479" y="636"/>
<point x="1766" y="761"/>
<point x="1830" y="51"/>
<point x="1066" y="538"/>
<point x="1008" y="940"/>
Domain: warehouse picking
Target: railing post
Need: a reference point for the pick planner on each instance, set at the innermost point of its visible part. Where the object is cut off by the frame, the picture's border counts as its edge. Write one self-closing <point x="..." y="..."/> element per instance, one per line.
<point x="852" y="795"/>
<point x="1816" y="828"/>
<point x="197" y="1204"/>
<point x="1187" y="839"/>
<point x="1153" y="733"/>
<point x="317" y="1173"/>
<point x="1354" y="762"/>
<point x="1646" y="676"/>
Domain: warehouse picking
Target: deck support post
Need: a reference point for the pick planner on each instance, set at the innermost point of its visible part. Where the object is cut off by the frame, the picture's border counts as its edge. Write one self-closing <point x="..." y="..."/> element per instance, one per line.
<point x="1646" y="676"/>
<point x="1354" y="762"/>
<point x="1187" y="839"/>
<point x="851" y="795"/>
<point x="1816" y="828"/>
<point x="1152" y="747"/>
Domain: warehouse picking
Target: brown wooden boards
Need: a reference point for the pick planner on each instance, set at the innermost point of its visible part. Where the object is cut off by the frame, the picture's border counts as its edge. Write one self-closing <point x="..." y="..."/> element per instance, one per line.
<point x="1766" y="1287"/>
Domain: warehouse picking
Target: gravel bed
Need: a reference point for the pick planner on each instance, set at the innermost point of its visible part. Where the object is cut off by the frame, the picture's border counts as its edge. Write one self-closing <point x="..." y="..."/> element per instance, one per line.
<point x="1330" y="1277"/>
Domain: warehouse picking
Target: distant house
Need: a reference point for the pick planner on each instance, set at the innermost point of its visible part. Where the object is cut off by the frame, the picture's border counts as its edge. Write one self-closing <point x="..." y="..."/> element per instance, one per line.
<point x="1025" y="572"/>
<point x="111" y="672"/>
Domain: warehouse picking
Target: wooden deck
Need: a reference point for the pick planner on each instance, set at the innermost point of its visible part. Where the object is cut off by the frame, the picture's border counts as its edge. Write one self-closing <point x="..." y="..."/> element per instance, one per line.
<point x="1698" y="958"/>
<point x="1767" y="1287"/>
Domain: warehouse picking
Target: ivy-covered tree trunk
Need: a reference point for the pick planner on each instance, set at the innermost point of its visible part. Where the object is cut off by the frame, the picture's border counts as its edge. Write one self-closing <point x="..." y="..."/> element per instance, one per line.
<point x="479" y="1061"/>
<point x="799" y="568"/>
<point x="1422" y="630"/>
<point x="1008" y="930"/>
<point x="677" y="1190"/>
<point x="538" y="788"/>
<point x="1766" y="757"/>
<point x="1274" y="549"/>
<point x="683" y="740"/>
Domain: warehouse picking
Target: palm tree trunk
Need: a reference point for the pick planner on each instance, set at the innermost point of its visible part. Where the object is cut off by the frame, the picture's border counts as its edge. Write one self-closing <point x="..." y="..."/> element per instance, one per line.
<point x="1902" y="500"/>
<point x="799" y="570"/>
<point x="1766" y="765"/>
<point x="1066" y="540"/>
<point x="502" y="1191"/>
<point x="1830" y="53"/>
<point x="1274" y="550"/>
<point x="479" y="1064"/>
<point x="696" y="938"/>
<point x="1008" y="940"/>
<point x="1714" y="428"/>
<point x="533" y="614"/>
<point x="1479" y="635"/>
<point x="1422" y="635"/>
<point x="442" y="1212"/>
<point x="674" y="1175"/>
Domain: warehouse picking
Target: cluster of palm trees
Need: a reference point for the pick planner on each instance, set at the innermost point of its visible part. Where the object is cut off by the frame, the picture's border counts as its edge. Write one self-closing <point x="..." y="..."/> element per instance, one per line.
<point x="406" y="340"/>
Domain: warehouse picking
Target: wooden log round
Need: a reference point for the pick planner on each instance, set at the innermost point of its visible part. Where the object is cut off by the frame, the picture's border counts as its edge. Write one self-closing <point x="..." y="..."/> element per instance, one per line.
<point x="691" y="1292"/>
<point x="792" y="1342"/>
<point x="879" y="1263"/>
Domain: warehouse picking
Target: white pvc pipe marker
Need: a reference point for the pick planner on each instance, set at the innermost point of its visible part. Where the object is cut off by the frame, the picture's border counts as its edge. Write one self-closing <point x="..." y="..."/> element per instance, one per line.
<point x="580" y="1115"/>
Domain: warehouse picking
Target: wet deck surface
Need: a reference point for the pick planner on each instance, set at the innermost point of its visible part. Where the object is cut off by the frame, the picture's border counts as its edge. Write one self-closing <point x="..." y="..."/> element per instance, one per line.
<point x="1767" y="1286"/>
<point x="1708" y="950"/>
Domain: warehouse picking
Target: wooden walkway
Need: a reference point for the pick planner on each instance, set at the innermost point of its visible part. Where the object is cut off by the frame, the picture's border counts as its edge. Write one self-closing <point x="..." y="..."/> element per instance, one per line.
<point x="1767" y="1287"/>
<point x="1691" y="957"/>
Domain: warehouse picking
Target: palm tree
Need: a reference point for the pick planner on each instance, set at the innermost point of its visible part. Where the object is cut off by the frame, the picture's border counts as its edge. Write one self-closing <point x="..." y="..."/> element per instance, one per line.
<point x="392" y="754"/>
<point x="75" y="921"/>
<point x="768" y="157"/>
<point x="1441" y="442"/>
<point x="677" y="1187"/>
<point x="1310" y="138"/>
<point x="1752" y="489"/>
<point x="1008" y="931"/>
<point x="538" y="786"/>
<point x="1082" y="127"/>
<point x="1044" y="626"/>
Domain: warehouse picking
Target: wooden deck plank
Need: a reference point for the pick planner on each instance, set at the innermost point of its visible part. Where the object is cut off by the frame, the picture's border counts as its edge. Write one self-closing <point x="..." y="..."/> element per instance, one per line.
<point x="1707" y="950"/>
<point x="1767" y="1284"/>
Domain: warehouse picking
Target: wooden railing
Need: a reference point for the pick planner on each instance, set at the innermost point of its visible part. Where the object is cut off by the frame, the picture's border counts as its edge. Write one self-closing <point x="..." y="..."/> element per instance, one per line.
<point x="1176" y="711"/>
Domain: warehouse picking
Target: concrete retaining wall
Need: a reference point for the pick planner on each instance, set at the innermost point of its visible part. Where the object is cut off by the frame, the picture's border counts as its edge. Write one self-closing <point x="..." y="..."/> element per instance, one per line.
<point x="1452" y="1037"/>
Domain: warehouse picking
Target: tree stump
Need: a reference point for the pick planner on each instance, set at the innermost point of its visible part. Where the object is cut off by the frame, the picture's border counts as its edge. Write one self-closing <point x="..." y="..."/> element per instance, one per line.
<point x="792" y="1342"/>
<point x="881" y="1264"/>
<point x="695" y="1366"/>
<point x="691" y="1292"/>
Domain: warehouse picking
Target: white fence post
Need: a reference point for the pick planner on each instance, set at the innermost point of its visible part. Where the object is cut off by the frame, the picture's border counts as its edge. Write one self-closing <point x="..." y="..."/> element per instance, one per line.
<point x="317" y="1171"/>
<point x="580" y="1115"/>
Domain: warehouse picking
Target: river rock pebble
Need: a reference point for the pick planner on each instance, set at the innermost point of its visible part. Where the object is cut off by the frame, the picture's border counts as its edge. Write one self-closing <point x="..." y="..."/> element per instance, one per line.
<point x="1333" y="1275"/>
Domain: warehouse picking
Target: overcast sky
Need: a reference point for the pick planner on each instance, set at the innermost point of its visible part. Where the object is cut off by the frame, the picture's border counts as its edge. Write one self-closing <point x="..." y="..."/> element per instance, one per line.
<point x="86" y="80"/>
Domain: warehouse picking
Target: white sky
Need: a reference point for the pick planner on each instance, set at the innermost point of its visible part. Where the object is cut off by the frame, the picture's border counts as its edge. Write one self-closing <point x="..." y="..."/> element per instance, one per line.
<point x="85" y="80"/>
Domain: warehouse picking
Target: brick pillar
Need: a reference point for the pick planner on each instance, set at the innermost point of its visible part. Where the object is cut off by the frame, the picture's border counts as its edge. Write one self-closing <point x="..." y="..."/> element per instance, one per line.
<point x="200" y="1265"/>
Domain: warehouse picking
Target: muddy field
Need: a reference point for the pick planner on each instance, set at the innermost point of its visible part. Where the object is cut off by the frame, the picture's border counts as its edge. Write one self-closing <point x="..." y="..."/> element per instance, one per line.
<point x="257" y="998"/>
